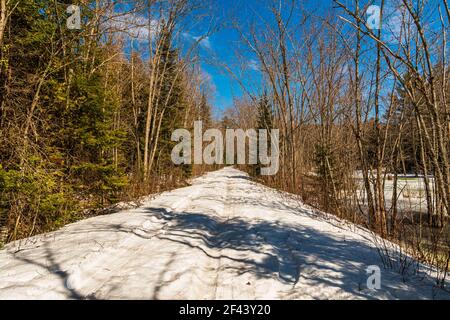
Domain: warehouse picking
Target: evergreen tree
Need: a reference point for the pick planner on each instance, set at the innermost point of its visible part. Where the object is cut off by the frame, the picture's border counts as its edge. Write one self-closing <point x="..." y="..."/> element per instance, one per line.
<point x="205" y="112"/>
<point x="171" y="104"/>
<point x="72" y="122"/>
<point x="265" y="115"/>
<point x="264" y="121"/>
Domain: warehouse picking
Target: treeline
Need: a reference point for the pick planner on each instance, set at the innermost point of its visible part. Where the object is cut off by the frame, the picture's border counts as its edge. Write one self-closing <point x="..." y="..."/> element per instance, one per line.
<point x="86" y="115"/>
<point x="360" y="111"/>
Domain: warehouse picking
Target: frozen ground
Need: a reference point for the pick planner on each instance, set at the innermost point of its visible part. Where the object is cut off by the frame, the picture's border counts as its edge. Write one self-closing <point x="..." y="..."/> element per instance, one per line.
<point x="224" y="237"/>
<point x="411" y="196"/>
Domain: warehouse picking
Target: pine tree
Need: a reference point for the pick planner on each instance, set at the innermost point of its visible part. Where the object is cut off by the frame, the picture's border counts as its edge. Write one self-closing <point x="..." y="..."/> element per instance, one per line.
<point x="264" y="121"/>
<point x="171" y="104"/>
<point x="72" y="125"/>
<point x="265" y="115"/>
<point x="205" y="112"/>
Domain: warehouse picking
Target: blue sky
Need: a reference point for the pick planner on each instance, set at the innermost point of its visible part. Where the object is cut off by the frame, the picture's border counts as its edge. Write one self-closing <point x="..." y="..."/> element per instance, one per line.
<point x="222" y="54"/>
<point x="224" y="44"/>
<point x="223" y="47"/>
<point x="227" y="48"/>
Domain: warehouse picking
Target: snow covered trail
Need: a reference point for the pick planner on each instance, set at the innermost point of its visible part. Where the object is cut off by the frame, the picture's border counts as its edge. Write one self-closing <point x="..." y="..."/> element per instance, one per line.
<point x="224" y="237"/>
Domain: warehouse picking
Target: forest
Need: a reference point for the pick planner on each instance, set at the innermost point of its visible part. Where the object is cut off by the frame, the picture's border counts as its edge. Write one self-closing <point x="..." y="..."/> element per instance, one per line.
<point x="86" y="122"/>
<point x="363" y="110"/>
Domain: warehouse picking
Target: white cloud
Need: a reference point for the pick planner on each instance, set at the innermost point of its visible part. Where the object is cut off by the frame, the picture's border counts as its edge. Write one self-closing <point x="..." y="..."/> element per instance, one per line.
<point x="134" y="26"/>
<point x="253" y="65"/>
<point x="204" y="42"/>
<point x="393" y="23"/>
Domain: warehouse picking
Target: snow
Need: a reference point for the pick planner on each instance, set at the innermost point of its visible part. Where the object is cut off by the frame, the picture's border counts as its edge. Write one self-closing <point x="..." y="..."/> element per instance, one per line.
<point x="411" y="196"/>
<point x="223" y="237"/>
